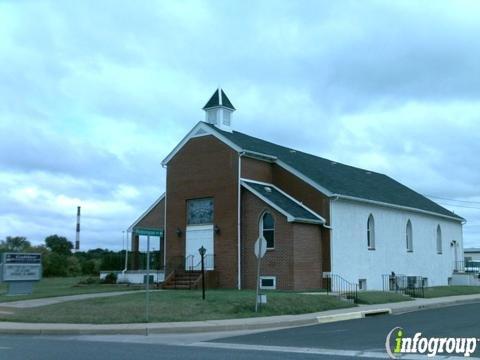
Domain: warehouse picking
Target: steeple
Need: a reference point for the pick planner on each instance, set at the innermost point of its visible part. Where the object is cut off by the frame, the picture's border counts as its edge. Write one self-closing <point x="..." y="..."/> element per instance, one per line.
<point x="218" y="110"/>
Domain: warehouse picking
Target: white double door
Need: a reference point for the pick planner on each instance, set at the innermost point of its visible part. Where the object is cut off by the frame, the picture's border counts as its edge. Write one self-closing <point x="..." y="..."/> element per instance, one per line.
<point x="196" y="237"/>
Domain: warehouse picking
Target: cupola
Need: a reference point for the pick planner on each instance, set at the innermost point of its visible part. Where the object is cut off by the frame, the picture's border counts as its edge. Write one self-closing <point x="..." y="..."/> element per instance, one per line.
<point x="218" y="110"/>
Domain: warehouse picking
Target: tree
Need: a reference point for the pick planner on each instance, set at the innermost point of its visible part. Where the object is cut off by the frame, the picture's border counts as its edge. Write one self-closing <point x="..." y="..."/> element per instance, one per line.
<point x="54" y="264"/>
<point x="59" y="245"/>
<point x="15" y="243"/>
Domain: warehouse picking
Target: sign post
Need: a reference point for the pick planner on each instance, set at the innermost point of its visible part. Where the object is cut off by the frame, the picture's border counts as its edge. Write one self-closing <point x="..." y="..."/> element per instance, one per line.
<point x="147" y="282"/>
<point x="202" y="252"/>
<point x="260" y="248"/>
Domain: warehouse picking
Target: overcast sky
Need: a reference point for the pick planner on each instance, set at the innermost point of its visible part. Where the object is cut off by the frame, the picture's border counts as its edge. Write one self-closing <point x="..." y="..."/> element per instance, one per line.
<point x="94" y="94"/>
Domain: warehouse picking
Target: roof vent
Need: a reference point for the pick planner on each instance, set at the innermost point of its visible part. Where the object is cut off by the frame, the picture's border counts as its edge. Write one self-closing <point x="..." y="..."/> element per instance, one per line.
<point x="268" y="189"/>
<point x="367" y="172"/>
<point x="293" y="151"/>
<point x="334" y="163"/>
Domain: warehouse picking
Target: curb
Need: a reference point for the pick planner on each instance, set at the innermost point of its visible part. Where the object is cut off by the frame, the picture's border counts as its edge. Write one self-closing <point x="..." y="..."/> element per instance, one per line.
<point x="352" y="315"/>
<point x="15" y="328"/>
<point x="144" y="329"/>
<point x="440" y="304"/>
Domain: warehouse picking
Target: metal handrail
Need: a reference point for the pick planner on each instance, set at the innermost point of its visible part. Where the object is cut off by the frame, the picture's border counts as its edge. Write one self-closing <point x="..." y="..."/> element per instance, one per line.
<point x="341" y="287"/>
<point x="468" y="266"/>
<point x="208" y="263"/>
<point x="413" y="286"/>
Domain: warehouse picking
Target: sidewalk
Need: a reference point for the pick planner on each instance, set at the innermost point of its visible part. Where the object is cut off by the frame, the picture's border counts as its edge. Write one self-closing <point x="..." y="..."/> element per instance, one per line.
<point x="235" y="324"/>
<point x="22" y="304"/>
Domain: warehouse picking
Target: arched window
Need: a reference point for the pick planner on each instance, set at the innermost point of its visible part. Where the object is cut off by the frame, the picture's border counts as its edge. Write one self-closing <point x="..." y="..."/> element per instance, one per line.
<point x="439" y="240"/>
<point x="409" y="236"/>
<point x="371" y="233"/>
<point x="267" y="229"/>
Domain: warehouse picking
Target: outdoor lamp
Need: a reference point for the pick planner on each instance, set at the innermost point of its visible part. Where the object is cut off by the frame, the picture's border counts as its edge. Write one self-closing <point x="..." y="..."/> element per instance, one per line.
<point x="179" y="232"/>
<point x="216" y="229"/>
<point x="202" y="251"/>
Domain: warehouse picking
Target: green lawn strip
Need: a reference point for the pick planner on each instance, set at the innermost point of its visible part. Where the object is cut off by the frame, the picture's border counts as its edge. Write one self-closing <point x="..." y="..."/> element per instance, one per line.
<point x="176" y="305"/>
<point x="49" y="287"/>
<point x="439" y="291"/>
<point x="380" y="297"/>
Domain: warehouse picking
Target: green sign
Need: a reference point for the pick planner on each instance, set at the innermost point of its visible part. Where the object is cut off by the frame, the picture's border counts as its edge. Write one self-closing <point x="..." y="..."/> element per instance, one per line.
<point x="148" y="232"/>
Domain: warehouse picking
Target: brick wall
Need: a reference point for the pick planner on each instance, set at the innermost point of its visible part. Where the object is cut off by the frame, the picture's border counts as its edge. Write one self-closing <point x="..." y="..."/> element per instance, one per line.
<point x="277" y="262"/>
<point x="256" y="170"/>
<point x="307" y="256"/>
<point x="155" y="217"/>
<point x="205" y="167"/>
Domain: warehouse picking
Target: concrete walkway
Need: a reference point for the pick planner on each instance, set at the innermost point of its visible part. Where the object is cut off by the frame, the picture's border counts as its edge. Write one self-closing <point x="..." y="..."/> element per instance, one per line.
<point x="22" y="304"/>
<point x="231" y="324"/>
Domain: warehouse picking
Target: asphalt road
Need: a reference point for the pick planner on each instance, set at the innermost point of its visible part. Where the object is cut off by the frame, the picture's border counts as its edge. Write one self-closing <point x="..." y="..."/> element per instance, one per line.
<point x="363" y="338"/>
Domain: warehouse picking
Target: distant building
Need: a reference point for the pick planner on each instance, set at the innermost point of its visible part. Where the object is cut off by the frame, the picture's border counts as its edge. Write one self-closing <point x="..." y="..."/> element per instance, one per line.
<point x="472" y="254"/>
<point x="319" y="217"/>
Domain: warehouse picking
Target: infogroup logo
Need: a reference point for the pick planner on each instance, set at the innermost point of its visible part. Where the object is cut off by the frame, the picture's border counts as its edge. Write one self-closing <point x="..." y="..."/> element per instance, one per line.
<point x="397" y="344"/>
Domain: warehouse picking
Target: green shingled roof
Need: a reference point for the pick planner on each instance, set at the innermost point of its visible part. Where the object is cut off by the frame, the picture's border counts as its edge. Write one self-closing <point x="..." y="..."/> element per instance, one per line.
<point x="215" y="100"/>
<point x="282" y="201"/>
<point x="338" y="178"/>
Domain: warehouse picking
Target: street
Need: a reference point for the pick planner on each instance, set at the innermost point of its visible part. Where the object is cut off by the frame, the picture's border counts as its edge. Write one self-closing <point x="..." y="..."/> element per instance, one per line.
<point x="363" y="338"/>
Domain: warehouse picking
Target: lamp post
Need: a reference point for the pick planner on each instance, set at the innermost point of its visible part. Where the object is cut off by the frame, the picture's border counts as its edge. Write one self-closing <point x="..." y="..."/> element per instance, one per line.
<point x="202" y="252"/>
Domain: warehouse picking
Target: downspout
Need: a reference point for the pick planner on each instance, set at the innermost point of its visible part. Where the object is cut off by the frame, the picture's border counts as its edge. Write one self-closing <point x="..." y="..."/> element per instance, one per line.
<point x="334" y="198"/>
<point x="239" y="209"/>
<point x="165" y="226"/>
<point x="126" y="256"/>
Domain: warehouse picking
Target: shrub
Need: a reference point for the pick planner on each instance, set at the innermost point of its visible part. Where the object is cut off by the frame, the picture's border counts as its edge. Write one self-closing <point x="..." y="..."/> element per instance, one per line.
<point x="90" y="281"/>
<point x="111" y="278"/>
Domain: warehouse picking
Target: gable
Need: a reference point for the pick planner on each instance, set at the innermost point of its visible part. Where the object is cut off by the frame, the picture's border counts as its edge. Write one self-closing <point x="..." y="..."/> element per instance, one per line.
<point x="153" y="217"/>
<point x="294" y="210"/>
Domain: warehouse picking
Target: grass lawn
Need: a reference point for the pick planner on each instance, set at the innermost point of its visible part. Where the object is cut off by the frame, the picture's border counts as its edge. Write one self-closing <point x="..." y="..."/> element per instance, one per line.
<point x="48" y="287"/>
<point x="380" y="297"/>
<point x="438" y="291"/>
<point x="176" y="305"/>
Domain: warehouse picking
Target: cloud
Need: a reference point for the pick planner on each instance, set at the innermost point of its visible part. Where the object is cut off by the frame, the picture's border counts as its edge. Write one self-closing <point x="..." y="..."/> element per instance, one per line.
<point x="94" y="95"/>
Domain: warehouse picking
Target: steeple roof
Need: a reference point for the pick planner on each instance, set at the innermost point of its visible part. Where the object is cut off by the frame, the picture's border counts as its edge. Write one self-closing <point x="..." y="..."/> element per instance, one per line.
<point x="219" y="98"/>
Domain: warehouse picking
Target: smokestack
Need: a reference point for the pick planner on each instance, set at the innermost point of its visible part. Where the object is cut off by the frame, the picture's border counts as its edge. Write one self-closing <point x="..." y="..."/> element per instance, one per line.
<point x="77" y="239"/>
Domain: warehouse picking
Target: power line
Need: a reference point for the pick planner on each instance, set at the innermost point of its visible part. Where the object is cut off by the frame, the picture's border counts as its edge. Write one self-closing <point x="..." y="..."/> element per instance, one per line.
<point x="462" y="201"/>
<point x="461" y="206"/>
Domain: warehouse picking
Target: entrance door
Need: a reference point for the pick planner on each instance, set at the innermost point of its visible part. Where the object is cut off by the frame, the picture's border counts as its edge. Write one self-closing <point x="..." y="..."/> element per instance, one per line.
<point x="198" y="236"/>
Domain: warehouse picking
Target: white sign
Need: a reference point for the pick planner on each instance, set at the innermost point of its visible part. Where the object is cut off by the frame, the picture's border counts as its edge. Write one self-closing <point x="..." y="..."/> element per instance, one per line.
<point x="22" y="272"/>
<point x="260" y="247"/>
<point x="21" y="267"/>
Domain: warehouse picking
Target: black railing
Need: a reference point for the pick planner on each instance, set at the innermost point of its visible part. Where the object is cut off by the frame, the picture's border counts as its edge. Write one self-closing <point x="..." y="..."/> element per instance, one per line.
<point x="413" y="286"/>
<point x="468" y="266"/>
<point x="337" y="285"/>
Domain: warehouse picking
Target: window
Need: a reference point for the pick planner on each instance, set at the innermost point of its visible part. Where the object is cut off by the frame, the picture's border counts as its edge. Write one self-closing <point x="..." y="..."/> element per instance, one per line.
<point x="200" y="211"/>
<point x="268" y="282"/>
<point x="267" y="229"/>
<point x="439" y="240"/>
<point x="409" y="236"/>
<point x="362" y="284"/>
<point x="371" y="233"/>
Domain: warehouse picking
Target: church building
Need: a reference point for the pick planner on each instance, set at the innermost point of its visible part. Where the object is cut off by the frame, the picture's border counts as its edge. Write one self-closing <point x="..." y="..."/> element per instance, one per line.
<point x="320" y="218"/>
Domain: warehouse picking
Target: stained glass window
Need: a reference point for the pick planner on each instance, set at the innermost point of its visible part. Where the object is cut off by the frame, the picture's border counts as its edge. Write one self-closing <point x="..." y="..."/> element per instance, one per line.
<point x="200" y="211"/>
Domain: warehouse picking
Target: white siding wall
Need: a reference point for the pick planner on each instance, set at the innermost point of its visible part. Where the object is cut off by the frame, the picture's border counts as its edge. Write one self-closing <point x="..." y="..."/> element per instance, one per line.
<point x="352" y="260"/>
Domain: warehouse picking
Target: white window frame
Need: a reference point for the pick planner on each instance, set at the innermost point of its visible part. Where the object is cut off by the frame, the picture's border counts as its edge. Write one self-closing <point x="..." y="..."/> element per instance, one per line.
<point x="261" y="229"/>
<point x="409" y="236"/>
<point x="439" y="240"/>
<point x="360" y="287"/>
<point x="371" y="232"/>
<point x="274" y="278"/>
